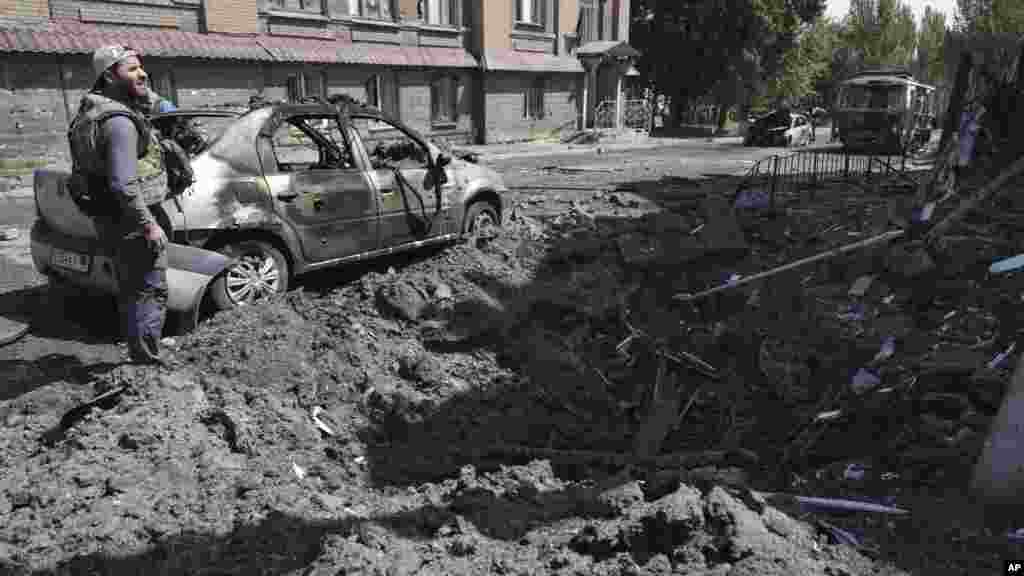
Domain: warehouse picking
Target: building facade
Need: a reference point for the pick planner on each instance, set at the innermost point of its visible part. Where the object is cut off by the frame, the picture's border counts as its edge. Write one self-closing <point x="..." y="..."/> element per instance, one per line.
<point x="458" y="70"/>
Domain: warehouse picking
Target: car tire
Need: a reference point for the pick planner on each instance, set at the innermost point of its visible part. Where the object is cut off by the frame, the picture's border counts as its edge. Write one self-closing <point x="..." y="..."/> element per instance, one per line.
<point x="261" y="272"/>
<point x="481" y="217"/>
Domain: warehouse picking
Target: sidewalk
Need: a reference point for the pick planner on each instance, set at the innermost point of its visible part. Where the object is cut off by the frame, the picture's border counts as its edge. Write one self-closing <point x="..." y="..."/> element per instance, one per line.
<point x="492" y="152"/>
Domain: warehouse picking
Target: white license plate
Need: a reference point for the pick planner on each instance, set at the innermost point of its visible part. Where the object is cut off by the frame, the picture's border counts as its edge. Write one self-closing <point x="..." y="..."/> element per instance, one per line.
<point x="70" y="260"/>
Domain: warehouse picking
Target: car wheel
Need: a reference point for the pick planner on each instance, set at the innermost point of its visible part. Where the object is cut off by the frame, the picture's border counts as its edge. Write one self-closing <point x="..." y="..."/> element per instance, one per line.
<point x="481" y="219"/>
<point x="260" y="272"/>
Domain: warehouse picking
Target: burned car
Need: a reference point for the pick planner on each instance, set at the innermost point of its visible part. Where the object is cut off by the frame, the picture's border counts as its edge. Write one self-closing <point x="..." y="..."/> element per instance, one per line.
<point x="779" y="128"/>
<point x="282" y="190"/>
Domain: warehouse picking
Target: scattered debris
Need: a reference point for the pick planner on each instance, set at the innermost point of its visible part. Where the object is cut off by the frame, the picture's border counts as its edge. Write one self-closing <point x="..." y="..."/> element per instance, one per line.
<point x="323" y="427"/>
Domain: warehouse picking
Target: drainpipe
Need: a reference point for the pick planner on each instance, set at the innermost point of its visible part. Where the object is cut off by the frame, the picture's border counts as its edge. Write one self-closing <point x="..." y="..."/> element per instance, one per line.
<point x="618" y="100"/>
<point x="585" y="102"/>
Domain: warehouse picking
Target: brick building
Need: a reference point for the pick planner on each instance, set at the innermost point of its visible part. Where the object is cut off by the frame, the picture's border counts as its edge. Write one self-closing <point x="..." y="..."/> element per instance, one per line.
<point x="460" y="70"/>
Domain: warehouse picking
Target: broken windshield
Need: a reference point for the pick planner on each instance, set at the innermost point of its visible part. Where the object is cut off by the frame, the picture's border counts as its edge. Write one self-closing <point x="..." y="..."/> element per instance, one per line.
<point x="875" y="97"/>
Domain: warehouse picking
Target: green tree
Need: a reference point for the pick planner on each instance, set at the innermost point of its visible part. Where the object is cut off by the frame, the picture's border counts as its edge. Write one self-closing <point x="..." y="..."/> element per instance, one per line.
<point x="930" y="44"/>
<point x="728" y="48"/>
<point x="804" y="66"/>
<point x="991" y="16"/>
<point x="880" y="33"/>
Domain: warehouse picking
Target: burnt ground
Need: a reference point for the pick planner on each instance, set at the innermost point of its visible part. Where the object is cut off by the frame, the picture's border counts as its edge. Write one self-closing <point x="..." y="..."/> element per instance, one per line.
<point x="467" y="410"/>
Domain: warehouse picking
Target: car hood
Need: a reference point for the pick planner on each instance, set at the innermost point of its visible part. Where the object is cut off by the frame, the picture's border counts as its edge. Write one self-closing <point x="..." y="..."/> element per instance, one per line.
<point x="476" y="175"/>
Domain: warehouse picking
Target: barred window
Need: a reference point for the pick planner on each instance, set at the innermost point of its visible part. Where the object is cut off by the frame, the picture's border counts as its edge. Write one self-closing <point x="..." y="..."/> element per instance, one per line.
<point x="444" y="106"/>
<point x="534" y="105"/>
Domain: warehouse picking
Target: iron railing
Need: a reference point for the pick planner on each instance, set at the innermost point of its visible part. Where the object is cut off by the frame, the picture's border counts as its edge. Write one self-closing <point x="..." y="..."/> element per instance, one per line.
<point x="785" y="177"/>
<point x="636" y="114"/>
<point x="604" y="114"/>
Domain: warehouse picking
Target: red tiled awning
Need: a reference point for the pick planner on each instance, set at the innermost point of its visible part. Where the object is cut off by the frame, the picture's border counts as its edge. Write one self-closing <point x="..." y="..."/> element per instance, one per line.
<point x="516" y="61"/>
<point x="285" y="49"/>
<point x="72" y="37"/>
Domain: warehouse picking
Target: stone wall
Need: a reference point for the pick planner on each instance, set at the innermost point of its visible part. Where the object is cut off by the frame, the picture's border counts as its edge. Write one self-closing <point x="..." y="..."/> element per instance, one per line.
<point x="505" y="105"/>
<point x="39" y="92"/>
<point x="149" y="13"/>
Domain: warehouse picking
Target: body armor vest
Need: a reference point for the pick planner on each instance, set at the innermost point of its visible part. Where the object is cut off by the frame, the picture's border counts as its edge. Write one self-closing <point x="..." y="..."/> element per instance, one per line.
<point x="89" y="157"/>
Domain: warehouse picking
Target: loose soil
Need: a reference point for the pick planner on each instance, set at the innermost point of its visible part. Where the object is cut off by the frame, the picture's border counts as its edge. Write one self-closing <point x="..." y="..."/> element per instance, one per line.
<point x="474" y="411"/>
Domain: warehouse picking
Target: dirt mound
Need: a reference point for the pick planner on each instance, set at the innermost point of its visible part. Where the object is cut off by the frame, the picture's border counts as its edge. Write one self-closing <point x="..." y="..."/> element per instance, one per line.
<point x="475" y="412"/>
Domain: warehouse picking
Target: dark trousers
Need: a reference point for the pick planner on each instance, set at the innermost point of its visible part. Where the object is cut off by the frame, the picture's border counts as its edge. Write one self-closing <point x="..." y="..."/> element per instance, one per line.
<point x="142" y="286"/>
<point x="142" y="297"/>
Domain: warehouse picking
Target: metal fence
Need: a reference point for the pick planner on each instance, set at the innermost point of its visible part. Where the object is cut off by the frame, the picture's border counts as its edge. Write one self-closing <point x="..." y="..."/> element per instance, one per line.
<point x="786" y="177"/>
<point x="636" y="115"/>
<point x="604" y="114"/>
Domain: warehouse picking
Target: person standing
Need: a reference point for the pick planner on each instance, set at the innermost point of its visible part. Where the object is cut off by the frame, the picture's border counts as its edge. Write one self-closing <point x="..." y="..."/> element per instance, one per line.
<point x="116" y="154"/>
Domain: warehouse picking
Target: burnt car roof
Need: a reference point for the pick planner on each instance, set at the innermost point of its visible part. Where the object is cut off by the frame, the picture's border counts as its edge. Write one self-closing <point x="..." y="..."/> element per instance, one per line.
<point x="344" y="104"/>
<point x="198" y="112"/>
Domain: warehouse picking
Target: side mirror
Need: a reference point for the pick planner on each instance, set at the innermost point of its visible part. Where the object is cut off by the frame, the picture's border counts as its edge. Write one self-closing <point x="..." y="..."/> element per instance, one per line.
<point x="443" y="160"/>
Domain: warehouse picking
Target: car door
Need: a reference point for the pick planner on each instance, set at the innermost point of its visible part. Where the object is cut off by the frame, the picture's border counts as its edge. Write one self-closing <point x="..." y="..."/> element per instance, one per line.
<point x="400" y="167"/>
<point x="319" y="188"/>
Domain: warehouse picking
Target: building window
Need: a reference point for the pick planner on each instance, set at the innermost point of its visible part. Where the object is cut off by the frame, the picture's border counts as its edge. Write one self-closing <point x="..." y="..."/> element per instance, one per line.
<point x="444" y="96"/>
<point x="373" y="91"/>
<point x="382" y="94"/>
<point x="311" y="6"/>
<point x="314" y="84"/>
<point x="348" y="7"/>
<point x="534" y="105"/>
<point x="377" y="9"/>
<point x="438" y="12"/>
<point x="307" y="85"/>
<point x="294" y="86"/>
<point x="531" y="11"/>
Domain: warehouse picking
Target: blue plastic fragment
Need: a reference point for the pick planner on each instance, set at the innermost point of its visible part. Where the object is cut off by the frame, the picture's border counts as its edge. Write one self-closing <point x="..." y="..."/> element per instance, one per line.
<point x="752" y="199"/>
<point x="923" y="214"/>
<point x="1007" y="265"/>
<point x="865" y="380"/>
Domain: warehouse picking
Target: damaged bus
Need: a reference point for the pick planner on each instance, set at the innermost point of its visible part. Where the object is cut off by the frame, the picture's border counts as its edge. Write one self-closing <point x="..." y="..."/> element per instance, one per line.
<point x="884" y="111"/>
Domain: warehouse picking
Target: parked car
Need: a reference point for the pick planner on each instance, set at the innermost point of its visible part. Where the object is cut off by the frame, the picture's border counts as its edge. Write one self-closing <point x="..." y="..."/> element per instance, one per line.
<point x="779" y="128"/>
<point x="282" y="190"/>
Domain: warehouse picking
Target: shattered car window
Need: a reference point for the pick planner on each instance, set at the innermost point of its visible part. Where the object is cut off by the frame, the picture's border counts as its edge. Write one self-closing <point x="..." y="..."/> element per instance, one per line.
<point x="388" y="146"/>
<point x="313" y="142"/>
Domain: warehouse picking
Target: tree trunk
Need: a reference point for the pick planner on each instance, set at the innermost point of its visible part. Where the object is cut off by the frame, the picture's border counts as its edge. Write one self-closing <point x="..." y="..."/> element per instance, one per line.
<point x="743" y="102"/>
<point x="677" y="110"/>
<point x="956" y="99"/>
